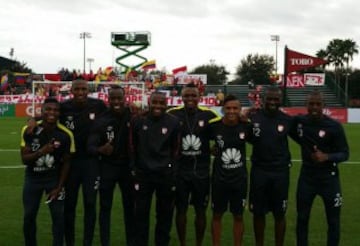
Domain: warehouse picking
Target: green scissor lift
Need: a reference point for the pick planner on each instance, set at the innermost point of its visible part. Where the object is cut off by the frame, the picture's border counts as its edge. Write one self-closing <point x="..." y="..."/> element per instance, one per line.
<point x="131" y="43"/>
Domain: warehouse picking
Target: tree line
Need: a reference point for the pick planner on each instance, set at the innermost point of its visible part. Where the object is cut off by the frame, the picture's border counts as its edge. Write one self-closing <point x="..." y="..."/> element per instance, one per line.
<point x="259" y="68"/>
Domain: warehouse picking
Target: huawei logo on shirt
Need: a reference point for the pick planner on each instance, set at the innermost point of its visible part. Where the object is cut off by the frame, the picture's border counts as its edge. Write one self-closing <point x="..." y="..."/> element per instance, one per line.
<point x="231" y="155"/>
<point x="44" y="163"/>
<point x="191" y="145"/>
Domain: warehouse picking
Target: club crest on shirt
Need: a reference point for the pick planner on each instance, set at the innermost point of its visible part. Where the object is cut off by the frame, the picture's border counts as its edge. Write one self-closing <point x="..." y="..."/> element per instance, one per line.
<point x="201" y="123"/>
<point x="280" y="128"/>
<point x="322" y="133"/>
<point x="242" y="135"/>
<point x="92" y="116"/>
<point x="57" y="144"/>
<point x="164" y="130"/>
<point x="145" y="127"/>
<point x="256" y="125"/>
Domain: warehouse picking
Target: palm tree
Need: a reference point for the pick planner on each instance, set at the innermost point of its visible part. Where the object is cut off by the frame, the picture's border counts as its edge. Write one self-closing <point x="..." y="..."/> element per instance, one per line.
<point x="340" y="52"/>
<point x="323" y="55"/>
<point x="350" y="48"/>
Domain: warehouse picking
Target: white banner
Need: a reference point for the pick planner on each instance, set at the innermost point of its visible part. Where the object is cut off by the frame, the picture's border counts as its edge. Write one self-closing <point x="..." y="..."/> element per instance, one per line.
<point x="314" y="79"/>
<point x="172" y="101"/>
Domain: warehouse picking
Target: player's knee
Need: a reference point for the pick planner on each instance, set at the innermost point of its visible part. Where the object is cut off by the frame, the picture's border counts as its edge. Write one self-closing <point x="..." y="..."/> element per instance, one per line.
<point x="200" y="212"/>
<point x="181" y="210"/>
<point x="279" y="217"/>
<point x="237" y="217"/>
<point x="217" y="216"/>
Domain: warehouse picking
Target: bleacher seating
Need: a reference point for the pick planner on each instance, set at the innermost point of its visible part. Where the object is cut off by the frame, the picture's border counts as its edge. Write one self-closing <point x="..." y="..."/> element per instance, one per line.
<point x="241" y="91"/>
<point x="296" y="97"/>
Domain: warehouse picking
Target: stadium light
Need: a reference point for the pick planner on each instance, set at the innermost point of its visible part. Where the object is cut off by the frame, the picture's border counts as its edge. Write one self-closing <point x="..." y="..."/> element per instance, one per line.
<point x="276" y="38"/>
<point x="84" y="35"/>
<point x="90" y="60"/>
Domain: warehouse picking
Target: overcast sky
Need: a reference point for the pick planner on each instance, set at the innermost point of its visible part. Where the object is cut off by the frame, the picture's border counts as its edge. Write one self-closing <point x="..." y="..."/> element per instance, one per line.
<point x="45" y="33"/>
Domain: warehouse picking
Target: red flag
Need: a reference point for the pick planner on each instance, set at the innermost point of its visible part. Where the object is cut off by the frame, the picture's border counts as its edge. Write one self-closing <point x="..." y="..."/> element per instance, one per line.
<point x="182" y="69"/>
<point x="52" y="76"/>
<point x="296" y="61"/>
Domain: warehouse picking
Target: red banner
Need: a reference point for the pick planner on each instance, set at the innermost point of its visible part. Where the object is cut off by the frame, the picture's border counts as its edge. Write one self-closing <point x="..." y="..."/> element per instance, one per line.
<point x="296" y="61"/>
<point x="295" y="80"/>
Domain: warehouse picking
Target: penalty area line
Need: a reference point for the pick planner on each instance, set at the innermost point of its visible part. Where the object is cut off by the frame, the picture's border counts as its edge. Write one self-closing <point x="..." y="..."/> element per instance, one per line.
<point x="12" y="167"/>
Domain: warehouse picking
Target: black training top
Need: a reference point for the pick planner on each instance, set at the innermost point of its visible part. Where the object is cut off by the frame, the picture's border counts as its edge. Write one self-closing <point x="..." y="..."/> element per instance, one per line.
<point x="195" y="136"/>
<point x="79" y="120"/>
<point x="47" y="167"/>
<point x="114" y="128"/>
<point x="269" y="138"/>
<point x="229" y="165"/>
<point x="154" y="143"/>
<point x="327" y="135"/>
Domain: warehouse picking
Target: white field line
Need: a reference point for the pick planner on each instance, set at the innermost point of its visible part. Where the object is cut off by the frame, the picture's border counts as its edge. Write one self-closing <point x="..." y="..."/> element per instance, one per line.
<point x="22" y="166"/>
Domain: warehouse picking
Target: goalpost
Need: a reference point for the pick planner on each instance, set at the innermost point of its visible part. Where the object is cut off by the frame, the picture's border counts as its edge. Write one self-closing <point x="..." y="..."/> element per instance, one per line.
<point x="134" y="91"/>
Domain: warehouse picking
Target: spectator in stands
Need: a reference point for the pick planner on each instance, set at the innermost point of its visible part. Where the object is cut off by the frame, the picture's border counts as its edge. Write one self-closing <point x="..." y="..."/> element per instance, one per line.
<point x="251" y="98"/>
<point x="220" y="97"/>
<point x="174" y="92"/>
<point x="91" y="76"/>
<point x="251" y="85"/>
<point x="211" y="93"/>
<point x="40" y="91"/>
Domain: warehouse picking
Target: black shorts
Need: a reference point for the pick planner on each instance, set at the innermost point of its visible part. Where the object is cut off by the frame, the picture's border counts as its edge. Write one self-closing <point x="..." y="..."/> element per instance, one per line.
<point x="192" y="190"/>
<point x="224" y="195"/>
<point x="268" y="191"/>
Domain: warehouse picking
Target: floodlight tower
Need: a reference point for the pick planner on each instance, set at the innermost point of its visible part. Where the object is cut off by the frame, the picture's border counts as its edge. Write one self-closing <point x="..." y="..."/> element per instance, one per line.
<point x="125" y="40"/>
<point x="276" y="38"/>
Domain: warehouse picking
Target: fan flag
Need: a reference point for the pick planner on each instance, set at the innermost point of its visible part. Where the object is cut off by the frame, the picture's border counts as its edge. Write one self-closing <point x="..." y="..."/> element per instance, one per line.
<point x="4" y="82"/>
<point x="179" y="71"/>
<point x="149" y="65"/>
<point x="52" y="76"/>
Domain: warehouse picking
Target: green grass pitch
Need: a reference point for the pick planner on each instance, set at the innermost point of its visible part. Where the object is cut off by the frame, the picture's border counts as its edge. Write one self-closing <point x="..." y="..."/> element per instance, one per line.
<point x="12" y="175"/>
